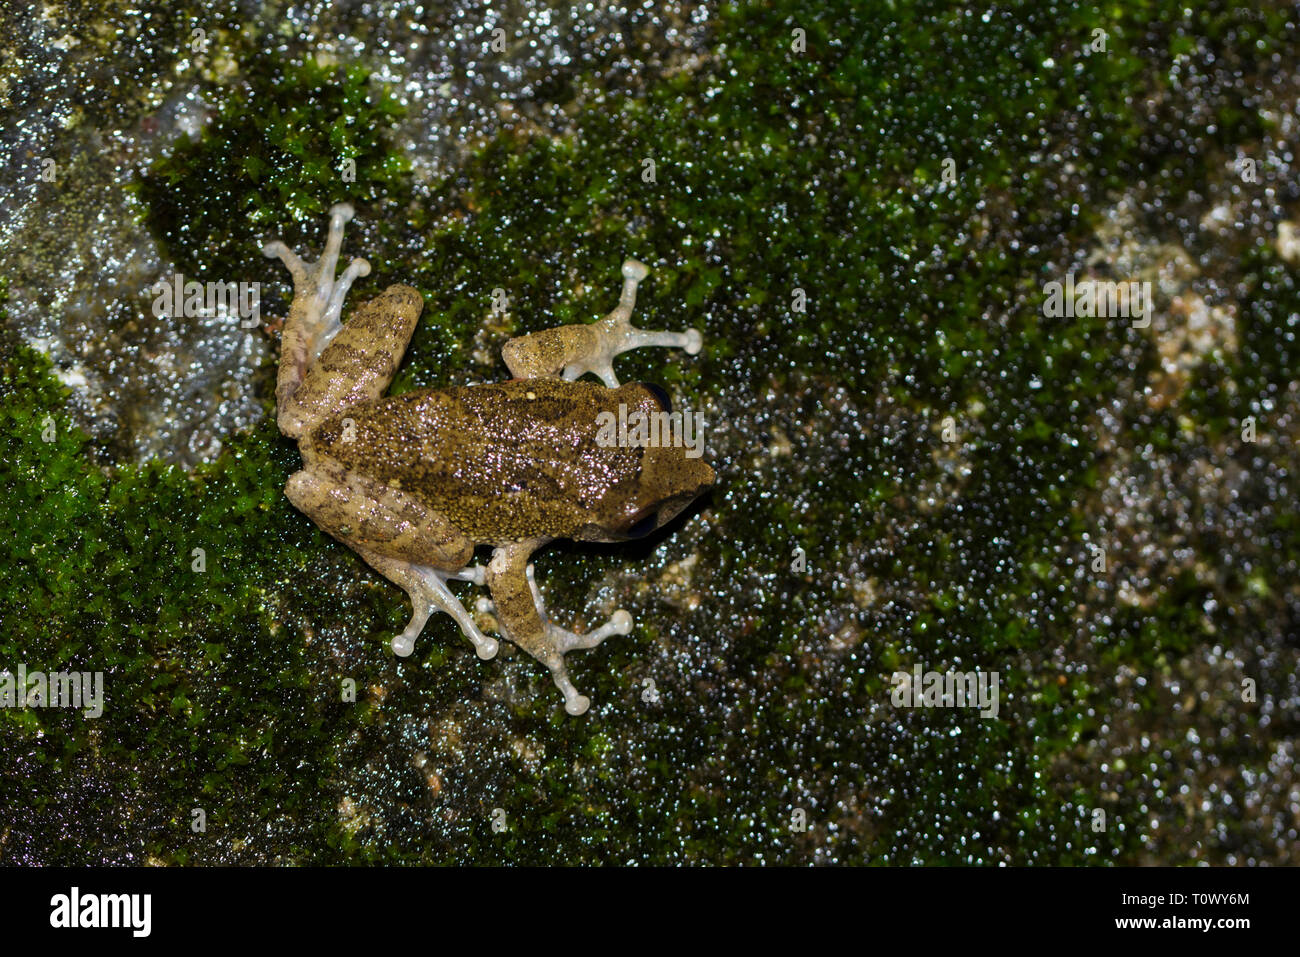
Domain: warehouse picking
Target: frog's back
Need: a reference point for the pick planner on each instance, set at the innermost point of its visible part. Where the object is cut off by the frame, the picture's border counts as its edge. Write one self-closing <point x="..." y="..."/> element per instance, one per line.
<point x="503" y="461"/>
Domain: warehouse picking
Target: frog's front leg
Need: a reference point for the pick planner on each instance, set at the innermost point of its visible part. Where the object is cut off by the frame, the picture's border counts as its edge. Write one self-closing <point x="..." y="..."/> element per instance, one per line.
<point x="574" y="350"/>
<point x="522" y="615"/>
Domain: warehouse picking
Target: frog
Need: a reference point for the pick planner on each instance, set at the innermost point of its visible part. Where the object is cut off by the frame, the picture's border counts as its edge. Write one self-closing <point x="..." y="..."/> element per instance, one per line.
<point x="415" y="483"/>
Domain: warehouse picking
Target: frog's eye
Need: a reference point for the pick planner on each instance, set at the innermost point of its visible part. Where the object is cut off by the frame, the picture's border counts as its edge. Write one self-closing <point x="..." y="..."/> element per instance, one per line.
<point x="660" y="395"/>
<point x="642" y="524"/>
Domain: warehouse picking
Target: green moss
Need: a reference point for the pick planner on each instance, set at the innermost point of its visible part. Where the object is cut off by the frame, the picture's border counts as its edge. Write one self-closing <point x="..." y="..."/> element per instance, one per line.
<point x="282" y="149"/>
<point x="775" y="172"/>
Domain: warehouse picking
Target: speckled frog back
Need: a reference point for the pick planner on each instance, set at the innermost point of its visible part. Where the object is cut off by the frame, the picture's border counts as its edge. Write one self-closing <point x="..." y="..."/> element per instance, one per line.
<point x="502" y="461"/>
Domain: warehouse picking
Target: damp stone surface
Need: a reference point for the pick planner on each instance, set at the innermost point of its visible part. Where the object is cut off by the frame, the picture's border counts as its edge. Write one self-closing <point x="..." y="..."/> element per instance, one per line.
<point x="921" y="466"/>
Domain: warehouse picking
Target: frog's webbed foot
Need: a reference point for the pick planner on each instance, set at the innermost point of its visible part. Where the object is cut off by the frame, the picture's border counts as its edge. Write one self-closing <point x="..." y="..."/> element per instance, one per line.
<point x="427" y="588"/>
<point x="413" y="547"/>
<point x="315" y="284"/>
<point x="522" y="616"/>
<point x="620" y="623"/>
<point x="317" y="304"/>
<point x="615" y="334"/>
<point x="563" y="641"/>
<point x="574" y="350"/>
<point x="434" y="593"/>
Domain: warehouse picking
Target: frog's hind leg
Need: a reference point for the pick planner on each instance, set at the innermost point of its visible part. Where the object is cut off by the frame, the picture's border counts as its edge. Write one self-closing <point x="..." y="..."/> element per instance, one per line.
<point x="519" y="608"/>
<point x="574" y="350"/>
<point x="361" y="360"/>
<point x="327" y="366"/>
<point x="410" y="546"/>
<point x="314" y="313"/>
<point x="428" y="591"/>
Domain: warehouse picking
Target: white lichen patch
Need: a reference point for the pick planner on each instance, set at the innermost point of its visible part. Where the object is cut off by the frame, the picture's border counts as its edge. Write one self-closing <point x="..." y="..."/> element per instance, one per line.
<point x="1288" y="242"/>
<point x="1195" y="330"/>
<point x="1191" y="321"/>
<point x="864" y="592"/>
<point x="352" y="817"/>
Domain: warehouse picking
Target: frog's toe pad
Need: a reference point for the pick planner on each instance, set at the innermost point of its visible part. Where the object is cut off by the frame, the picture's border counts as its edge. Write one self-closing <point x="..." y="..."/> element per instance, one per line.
<point x="427" y="588"/>
<point x="574" y="702"/>
<point x="564" y="641"/>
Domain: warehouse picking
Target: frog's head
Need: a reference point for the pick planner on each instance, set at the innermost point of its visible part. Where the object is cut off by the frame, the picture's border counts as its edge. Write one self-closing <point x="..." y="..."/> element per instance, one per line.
<point x="668" y="485"/>
<point x="672" y="475"/>
<point x="654" y="482"/>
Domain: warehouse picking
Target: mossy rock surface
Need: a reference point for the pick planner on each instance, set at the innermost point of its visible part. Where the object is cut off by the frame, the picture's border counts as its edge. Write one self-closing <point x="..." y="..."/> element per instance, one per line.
<point x="859" y="206"/>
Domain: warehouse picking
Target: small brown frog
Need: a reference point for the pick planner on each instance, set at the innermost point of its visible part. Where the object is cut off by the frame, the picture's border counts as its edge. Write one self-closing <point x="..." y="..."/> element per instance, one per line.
<point x="414" y="482"/>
